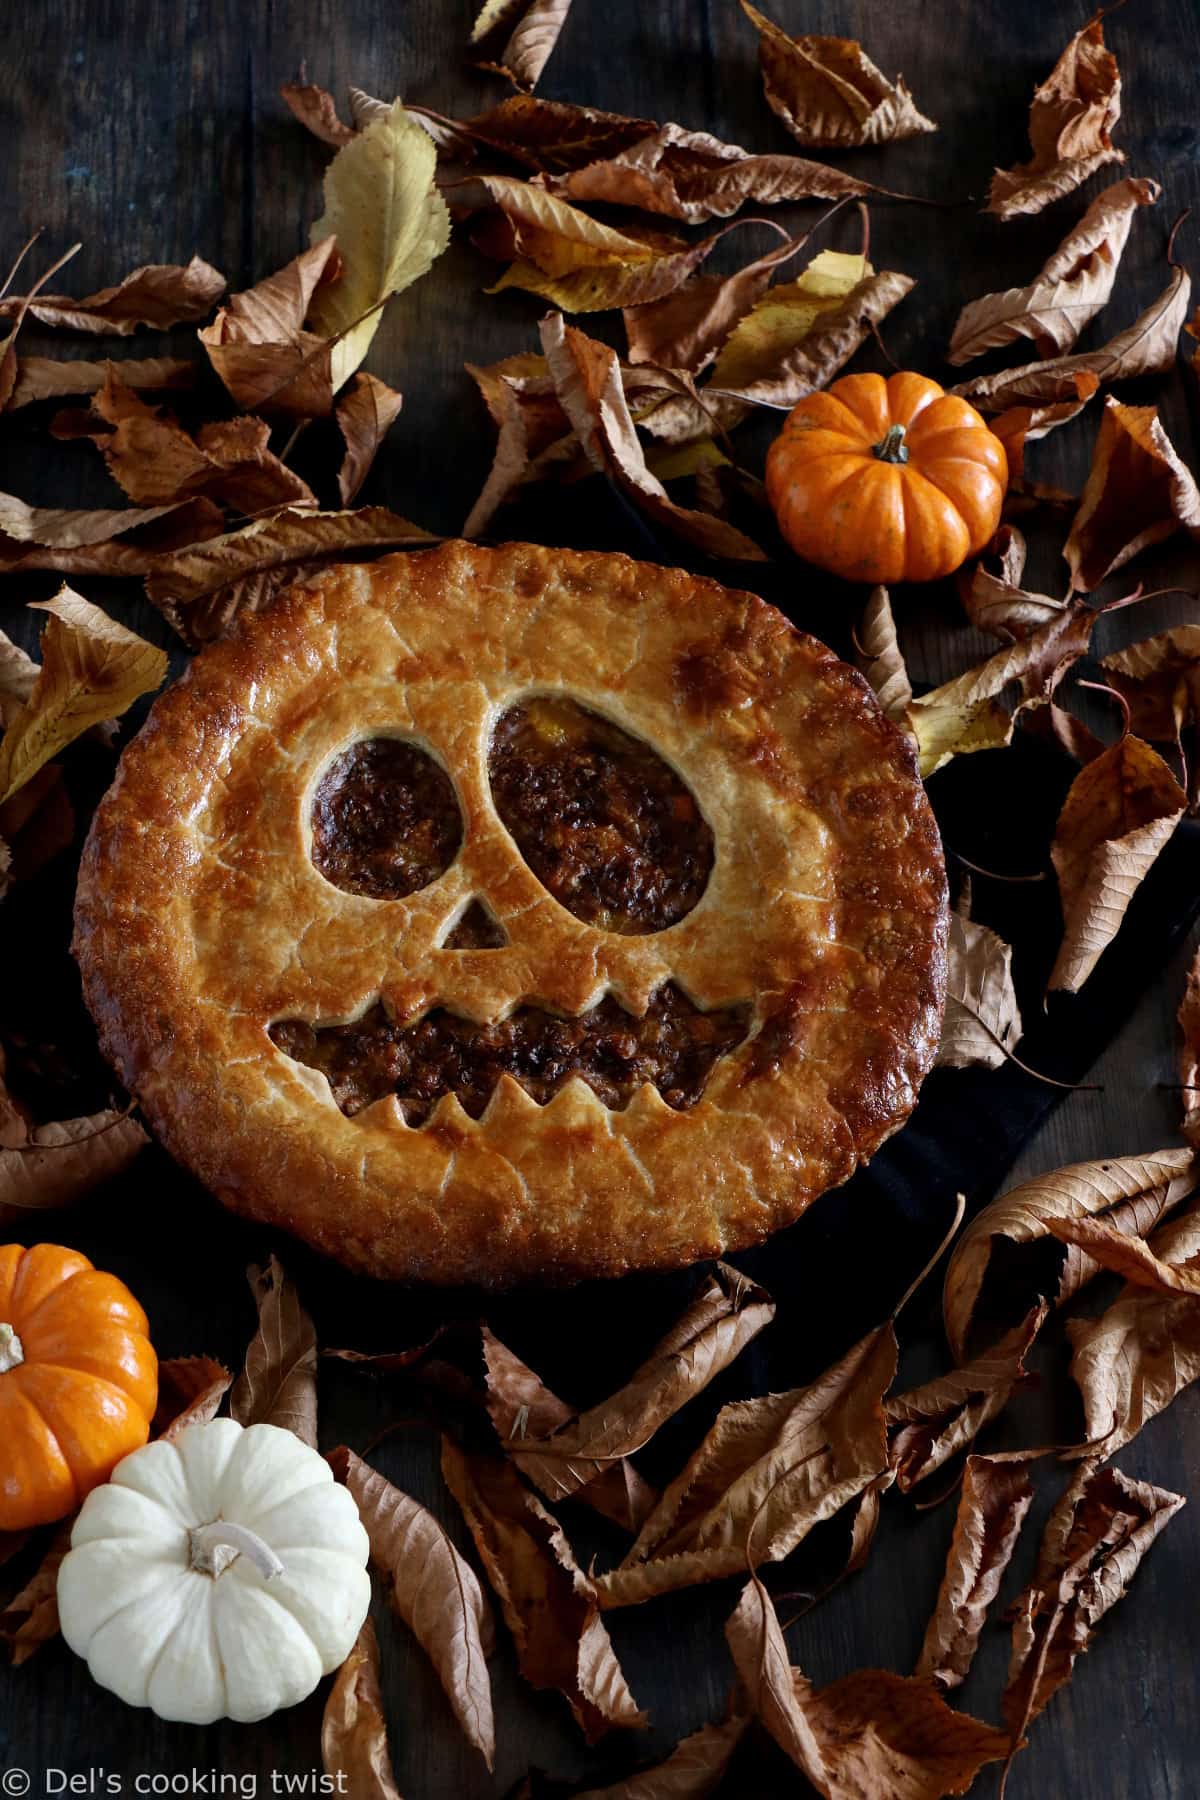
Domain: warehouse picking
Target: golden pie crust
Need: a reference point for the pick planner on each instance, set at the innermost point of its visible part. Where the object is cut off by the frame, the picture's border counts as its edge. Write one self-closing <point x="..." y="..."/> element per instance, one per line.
<point x="201" y="919"/>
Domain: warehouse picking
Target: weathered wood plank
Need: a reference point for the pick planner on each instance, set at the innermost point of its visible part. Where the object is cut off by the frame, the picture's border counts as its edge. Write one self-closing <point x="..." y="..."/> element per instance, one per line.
<point x="151" y="132"/>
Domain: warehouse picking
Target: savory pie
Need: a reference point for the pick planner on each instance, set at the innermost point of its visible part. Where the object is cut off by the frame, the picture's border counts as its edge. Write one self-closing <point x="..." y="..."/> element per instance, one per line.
<point x="501" y="914"/>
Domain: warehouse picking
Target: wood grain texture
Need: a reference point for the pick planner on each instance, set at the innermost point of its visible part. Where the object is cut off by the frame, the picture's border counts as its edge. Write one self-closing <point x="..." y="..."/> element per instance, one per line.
<point x="153" y="131"/>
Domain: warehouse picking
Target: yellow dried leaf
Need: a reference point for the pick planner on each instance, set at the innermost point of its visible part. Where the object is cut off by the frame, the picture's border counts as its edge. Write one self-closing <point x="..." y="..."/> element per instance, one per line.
<point x="92" y="670"/>
<point x="785" y="315"/>
<point x="382" y="205"/>
<point x="967" y="713"/>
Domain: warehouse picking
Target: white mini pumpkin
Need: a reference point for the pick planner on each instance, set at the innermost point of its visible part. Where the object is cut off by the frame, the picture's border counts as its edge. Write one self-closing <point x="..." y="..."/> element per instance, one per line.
<point x="219" y="1576"/>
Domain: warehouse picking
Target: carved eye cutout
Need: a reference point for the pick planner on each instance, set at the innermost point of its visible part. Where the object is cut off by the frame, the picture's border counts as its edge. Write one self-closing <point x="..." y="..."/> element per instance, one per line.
<point x="477" y="928"/>
<point x="604" y="823"/>
<point x="385" y="819"/>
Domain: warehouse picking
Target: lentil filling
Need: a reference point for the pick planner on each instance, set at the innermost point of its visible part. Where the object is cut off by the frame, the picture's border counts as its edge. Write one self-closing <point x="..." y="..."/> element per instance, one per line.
<point x="604" y="823"/>
<point x="673" y="1045"/>
<point x="385" y="819"/>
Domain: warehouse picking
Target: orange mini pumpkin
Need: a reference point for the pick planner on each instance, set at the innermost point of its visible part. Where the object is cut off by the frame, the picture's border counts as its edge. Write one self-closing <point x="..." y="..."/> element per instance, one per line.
<point x="885" y="481"/>
<point x="78" y="1381"/>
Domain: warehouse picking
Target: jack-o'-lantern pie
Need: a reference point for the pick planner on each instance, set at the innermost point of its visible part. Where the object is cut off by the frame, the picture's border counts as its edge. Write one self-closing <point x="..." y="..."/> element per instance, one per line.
<point x="501" y="914"/>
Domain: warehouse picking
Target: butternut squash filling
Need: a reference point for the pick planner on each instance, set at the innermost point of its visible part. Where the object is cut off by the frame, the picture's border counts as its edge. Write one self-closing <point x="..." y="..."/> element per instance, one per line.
<point x="604" y="823"/>
<point x="673" y="1045"/>
<point x="385" y="819"/>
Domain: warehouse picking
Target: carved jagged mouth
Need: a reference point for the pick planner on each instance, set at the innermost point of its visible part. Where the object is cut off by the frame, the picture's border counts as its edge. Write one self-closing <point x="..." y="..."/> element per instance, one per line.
<point x="673" y="1044"/>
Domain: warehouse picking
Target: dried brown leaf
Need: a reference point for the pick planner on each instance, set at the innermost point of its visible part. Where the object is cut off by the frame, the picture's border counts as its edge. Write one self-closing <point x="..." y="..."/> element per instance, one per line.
<point x="365" y="414"/>
<point x="1071" y="122"/>
<point x="549" y="1604"/>
<point x="30" y="1621"/>
<point x="1189" y="1053"/>
<point x="158" y="295"/>
<point x="1132" y="1257"/>
<point x="1017" y="426"/>
<point x="1137" y="493"/>
<point x="354" y="1741"/>
<point x="944" y="1416"/>
<point x="50" y="378"/>
<point x="1118" y="814"/>
<point x="21" y="311"/>
<point x="135" y="551"/>
<point x="996" y="1495"/>
<point x="190" y="1392"/>
<point x="92" y="669"/>
<point x="278" y="1385"/>
<point x="1147" y="347"/>
<point x="693" y="176"/>
<point x="993" y="598"/>
<point x="726" y="1314"/>
<point x="587" y="380"/>
<point x="967" y="714"/>
<point x="1132" y="1361"/>
<point x="1093" y="1543"/>
<point x="435" y="1591"/>
<point x="39" y="821"/>
<point x="801" y="333"/>
<point x="521" y="1405"/>
<point x="829" y="93"/>
<point x="1135" y="1189"/>
<point x="57" y="1164"/>
<point x="871" y="1733"/>
<point x="1159" y="679"/>
<point x="982" y="1021"/>
<point x="686" y="329"/>
<point x="258" y="345"/>
<point x="202" y="588"/>
<point x="878" y="655"/>
<point x="513" y="460"/>
<point x="579" y="263"/>
<point x="316" y="109"/>
<point x="760" y="1656"/>
<point x="516" y="37"/>
<point x="18" y="678"/>
<point x="69" y="528"/>
<point x="158" y="463"/>
<point x="765" y="1474"/>
<point x="552" y="136"/>
<point x="694" y="1770"/>
<point x="1070" y="289"/>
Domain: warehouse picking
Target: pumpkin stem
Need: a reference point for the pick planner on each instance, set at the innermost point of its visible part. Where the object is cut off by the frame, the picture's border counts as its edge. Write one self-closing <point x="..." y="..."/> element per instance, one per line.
<point x="213" y="1547"/>
<point x="12" y="1351"/>
<point x="891" y="447"/>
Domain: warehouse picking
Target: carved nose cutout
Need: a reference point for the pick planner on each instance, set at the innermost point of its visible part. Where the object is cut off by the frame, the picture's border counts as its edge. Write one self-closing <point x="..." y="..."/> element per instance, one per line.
<point x="605" y="824"/>
<point x="476" y="928"/>
<point x="385" y="819"/>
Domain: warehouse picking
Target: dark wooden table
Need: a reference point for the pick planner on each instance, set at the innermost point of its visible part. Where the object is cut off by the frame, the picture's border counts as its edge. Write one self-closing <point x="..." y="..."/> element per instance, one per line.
<point x="153" y="131"/>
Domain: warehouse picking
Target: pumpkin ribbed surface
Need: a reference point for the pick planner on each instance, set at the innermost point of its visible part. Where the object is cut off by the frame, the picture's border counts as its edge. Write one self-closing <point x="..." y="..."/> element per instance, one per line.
<point x="78" y="1381"/>
<point x="886" y="481"/>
